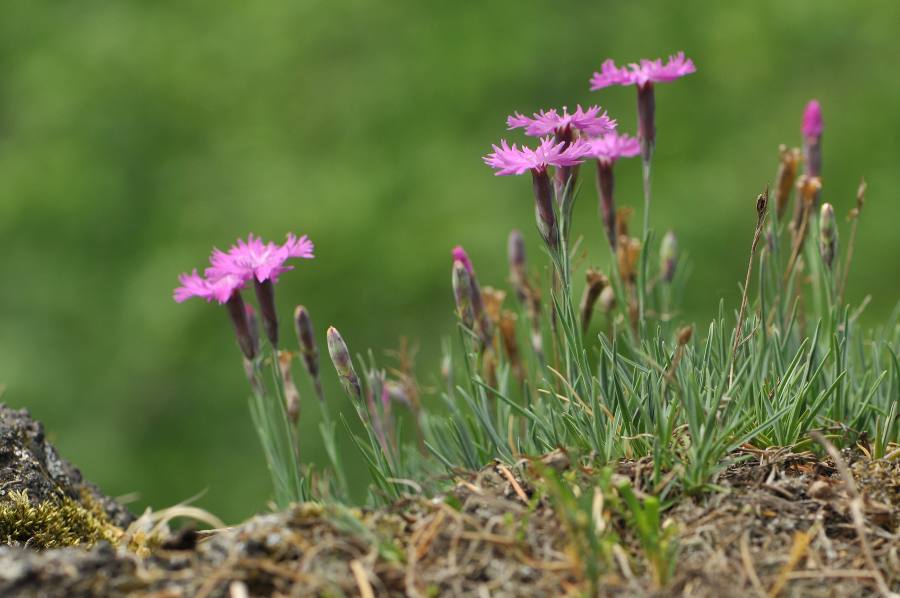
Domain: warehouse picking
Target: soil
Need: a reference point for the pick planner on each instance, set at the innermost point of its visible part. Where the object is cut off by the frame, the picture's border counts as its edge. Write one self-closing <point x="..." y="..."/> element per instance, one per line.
<point x="780" y="523"/>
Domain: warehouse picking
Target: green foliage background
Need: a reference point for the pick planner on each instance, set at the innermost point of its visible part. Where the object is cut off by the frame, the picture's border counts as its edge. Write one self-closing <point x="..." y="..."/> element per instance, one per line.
<point x="134" y="136"/>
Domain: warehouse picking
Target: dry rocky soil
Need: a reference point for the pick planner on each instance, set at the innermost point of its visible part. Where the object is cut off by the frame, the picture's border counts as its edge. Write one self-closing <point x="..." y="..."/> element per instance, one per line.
<point x="778" y="524"/>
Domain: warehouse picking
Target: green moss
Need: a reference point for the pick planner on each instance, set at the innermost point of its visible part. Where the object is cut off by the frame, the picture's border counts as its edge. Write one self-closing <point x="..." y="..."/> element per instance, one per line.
<point x="53" y="523"/>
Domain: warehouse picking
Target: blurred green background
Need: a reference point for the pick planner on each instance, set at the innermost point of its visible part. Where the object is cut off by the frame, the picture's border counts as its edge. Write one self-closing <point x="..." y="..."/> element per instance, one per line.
<point x="136" y="135"/>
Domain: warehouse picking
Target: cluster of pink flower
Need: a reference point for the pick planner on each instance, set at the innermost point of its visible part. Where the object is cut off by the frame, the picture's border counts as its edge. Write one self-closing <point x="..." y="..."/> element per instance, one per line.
<point x="230" y="271"/>
<point x="566" y="140"/>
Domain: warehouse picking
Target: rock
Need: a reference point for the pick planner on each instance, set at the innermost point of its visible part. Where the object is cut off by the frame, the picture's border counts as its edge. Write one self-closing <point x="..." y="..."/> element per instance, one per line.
<point x="34" y="480"/>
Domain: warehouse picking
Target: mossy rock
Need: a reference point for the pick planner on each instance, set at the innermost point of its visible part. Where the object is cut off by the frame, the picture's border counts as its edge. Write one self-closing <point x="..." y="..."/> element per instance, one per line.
<point x="44" y="501"/>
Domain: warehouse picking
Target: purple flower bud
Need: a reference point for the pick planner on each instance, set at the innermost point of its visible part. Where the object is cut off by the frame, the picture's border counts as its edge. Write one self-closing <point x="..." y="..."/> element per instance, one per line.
<point x="308" y="349"/>
<point x="238" y="314"/>
<point x="462" y="294"/>
<point x="812" y="142"/>
<point x="343" y="364"/>
<point x="605" y="184"/>
<point x="827" y="234"/>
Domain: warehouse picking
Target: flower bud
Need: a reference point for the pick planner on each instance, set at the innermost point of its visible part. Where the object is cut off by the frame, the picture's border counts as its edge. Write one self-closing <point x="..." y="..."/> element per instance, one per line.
<point x="668" y="256"/>
<point x="475" y="296"/>
<point x="462" y="294"/>
<point x="684" y="334"/>
<point x="812" y="141"/>
<point x="827" y="234"/>
<point x="238" y="314"/>
<point x="343" y="364"/>
<point x="605" y="184"/>
<point x="265" y="295"/>
<point x="307" y="340"/>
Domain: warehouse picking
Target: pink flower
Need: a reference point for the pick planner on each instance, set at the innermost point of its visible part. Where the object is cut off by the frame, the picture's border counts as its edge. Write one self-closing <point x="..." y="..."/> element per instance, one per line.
<point x="254" y="259"/>
<point x="193" y="285"/>
<point x="610" y="75"/>
<point x="513" y="160"/>
<point x="812" y="119"/>
<point x="640" y="74"/>
<point x="612" y="146"/>
<point x="589" y="121"/>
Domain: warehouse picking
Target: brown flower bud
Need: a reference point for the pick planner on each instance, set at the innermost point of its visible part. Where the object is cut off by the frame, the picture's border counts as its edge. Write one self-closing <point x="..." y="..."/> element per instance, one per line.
<point x="596" y="282"/>
<point x="784" y="178"/>
<point x="343" y="364"/>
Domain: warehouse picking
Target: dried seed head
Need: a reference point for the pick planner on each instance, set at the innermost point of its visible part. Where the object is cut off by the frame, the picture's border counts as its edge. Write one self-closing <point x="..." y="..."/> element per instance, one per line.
<point x="684" y="334"/>
<point x="628" y="250"/>
<point x="827" y="234"/>
<point x="762" y="202"/>
<point x="462" y="294"/>
<point x="291" y="394"/>
<point x="860" y="199"/>
<point x="668" y="256"/>
<point x="493" y="302"/>
<point x="343" y="364"/>
<point x="596" y="282"/>
<point x="784" y="179"/>
<point x="507" y="326"/>
<point x="623" y="215"/>
<point x="608" y="299"/>
<point x="808" y="187"/>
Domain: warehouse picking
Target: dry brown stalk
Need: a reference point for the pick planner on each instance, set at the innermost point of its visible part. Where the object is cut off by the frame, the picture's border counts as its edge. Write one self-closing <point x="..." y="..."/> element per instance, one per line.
<point x="762" y="202"/>
<point x="854" y="218"/>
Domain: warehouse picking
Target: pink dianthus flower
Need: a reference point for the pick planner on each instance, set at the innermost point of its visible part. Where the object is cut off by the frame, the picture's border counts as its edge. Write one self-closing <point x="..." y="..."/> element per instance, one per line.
<point x="510" y="159"/>
<point x="590" y="122"/>
<point x="642" y="73"/>
<point x="253" y="259"/>
<point x="612" y="146"/>
<point x="219" y="288"/>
